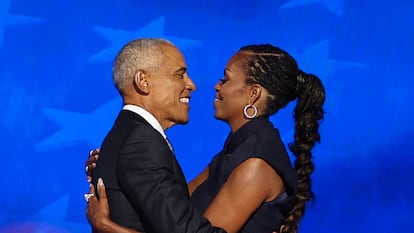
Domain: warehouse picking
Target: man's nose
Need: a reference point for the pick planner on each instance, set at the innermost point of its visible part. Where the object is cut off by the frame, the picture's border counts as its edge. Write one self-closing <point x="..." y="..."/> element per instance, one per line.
<point x="190" y="84"/>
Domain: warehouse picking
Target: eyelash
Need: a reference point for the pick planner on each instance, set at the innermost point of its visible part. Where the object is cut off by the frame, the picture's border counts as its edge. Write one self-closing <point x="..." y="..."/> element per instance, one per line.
<point x="223" y="80"/>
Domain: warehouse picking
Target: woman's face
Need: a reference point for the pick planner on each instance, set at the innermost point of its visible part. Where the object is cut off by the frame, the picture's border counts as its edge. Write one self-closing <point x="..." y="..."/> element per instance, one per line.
<point x="232" y="93"/>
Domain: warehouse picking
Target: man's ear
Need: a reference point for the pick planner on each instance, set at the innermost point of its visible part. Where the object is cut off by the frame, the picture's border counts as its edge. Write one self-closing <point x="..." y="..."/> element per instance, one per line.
<point x="141" y="83"/>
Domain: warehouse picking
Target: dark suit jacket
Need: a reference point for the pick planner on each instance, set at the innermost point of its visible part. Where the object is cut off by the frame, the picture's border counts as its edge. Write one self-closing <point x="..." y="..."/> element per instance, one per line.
<point x="146" y="188"/>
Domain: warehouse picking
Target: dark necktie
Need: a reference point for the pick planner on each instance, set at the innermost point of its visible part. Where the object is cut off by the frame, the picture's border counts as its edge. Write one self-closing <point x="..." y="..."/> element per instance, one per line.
<point x="169" y="144"/>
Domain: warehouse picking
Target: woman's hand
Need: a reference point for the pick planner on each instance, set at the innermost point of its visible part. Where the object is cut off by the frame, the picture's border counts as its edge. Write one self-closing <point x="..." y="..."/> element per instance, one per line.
<point x="91" y="164"/>
<point x="97" y="212"/>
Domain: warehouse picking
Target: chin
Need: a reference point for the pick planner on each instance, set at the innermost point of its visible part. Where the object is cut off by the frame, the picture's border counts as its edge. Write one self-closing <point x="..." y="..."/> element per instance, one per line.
<point x="183" y="121"/>
<point x="217" y="116"/>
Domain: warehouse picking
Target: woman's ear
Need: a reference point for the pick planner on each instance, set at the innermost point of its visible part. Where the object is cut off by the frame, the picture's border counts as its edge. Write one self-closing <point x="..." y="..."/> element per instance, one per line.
<point x="255" y="93"/>
<point x="141" y="83"/>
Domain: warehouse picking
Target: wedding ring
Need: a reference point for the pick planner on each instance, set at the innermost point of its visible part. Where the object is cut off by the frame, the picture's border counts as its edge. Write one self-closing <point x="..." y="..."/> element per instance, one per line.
<point x="87" y="196"/>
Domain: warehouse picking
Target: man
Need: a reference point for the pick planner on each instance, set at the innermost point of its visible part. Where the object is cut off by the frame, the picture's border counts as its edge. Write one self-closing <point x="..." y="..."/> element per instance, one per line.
<point x="145" y="185"/>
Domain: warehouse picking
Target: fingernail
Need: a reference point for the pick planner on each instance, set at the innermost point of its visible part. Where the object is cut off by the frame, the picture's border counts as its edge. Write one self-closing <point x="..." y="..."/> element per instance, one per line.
<point x="100" y="182"/>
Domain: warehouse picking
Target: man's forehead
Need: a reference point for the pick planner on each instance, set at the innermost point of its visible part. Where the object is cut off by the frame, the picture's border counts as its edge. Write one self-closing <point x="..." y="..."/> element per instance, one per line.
<point x="173" y="56"/>
<point x="171" y="51"/>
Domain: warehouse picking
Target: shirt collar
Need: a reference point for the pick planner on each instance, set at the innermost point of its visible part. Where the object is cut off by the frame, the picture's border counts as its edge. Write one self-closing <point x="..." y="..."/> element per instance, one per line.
<point x="147" y="116"/>
<point x="236" y="138"/>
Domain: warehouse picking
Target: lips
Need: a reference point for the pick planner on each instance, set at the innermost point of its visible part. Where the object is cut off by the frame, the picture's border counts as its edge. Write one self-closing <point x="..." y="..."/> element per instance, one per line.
<point x="217" y="98"/>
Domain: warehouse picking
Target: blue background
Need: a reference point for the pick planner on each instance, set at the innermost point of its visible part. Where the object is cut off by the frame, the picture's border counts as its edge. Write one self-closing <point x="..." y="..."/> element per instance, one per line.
<point x="58" y="100"/>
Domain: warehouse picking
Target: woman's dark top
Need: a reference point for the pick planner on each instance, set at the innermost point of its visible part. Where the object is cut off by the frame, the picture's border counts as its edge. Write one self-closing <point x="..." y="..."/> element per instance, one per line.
<point x="256" y="139"/>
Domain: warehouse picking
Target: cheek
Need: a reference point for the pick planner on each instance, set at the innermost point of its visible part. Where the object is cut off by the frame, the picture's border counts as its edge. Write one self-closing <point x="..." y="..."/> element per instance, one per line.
<point x="229" y="106"/>
<point x="170" y="94"/>
<point x="235" y="96"/>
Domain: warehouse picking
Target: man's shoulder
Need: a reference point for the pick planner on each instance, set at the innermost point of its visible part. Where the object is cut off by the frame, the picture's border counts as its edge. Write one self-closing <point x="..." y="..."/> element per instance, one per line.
<point x="129" y="121"/>
<point x="130" y="117"/>
<point x="127" y="124"/>
<point x="142" y="136"/>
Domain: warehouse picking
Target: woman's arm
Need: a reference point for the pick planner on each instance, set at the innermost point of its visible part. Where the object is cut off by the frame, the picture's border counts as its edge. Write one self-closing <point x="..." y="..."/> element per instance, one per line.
<point x="249" y="185"/>
<point x="97" y="213"/>
<point x="197" y="180"/>
<point x="230" y="209"/>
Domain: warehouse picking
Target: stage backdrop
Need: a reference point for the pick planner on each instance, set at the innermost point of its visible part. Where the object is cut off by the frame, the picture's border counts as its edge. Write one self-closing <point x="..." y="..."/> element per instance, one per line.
<point x="58" y="99"/>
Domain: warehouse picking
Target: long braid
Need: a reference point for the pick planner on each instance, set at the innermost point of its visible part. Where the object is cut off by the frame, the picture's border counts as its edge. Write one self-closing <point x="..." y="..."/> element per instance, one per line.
<point x="308" y="112"/>
<point x="278" y="73"/>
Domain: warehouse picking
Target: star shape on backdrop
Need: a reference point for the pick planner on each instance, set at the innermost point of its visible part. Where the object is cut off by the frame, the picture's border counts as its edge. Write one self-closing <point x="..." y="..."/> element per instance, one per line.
<point x="80" y="127"/>
<point x="50" y="217"/>
<point x="92" y="127"/>
<point x="118" y="38"/>
<point x="335" y="6"/>
<point x="316" y="60"/>
<point x="7" y="19"/>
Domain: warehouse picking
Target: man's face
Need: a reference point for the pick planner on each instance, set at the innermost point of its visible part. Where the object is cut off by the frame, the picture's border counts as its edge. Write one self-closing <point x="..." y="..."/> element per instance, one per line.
<point x="171" y="88"/>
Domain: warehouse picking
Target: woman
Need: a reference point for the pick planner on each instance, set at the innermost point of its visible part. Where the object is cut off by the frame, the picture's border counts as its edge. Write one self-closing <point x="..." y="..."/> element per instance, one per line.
<point x="250" y="185"/>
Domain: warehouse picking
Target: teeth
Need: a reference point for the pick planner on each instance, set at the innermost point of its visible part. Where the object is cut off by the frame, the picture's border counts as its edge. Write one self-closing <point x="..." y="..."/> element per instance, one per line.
<point x="185" y="100"/>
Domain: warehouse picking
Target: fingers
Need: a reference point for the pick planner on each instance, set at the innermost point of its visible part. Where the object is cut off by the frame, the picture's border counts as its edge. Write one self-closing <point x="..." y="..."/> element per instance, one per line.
<point x="89" y="171"/>
<point x="101" y="189"/>
<point x="91" y="203"/>
<point x="93" y="156"/>
<point x="90" y="163"/>
<point x="97" y="211"/>
<point x="91" y="189"/>
<point x="89" y="196"/>
<point x="94" y="153"/>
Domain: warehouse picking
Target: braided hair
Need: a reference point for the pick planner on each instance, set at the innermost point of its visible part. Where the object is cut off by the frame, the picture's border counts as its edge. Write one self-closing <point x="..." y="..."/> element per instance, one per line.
<point x="278" y="72"/>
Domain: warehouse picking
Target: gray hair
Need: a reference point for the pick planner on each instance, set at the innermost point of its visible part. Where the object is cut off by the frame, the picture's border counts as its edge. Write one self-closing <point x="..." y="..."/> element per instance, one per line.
<point x="140" y="54"/>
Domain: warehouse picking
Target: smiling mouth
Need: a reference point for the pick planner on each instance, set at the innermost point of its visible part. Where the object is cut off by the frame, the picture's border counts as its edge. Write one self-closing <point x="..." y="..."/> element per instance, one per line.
<point x="185" y="100"/>
<point x="217" y="98"/>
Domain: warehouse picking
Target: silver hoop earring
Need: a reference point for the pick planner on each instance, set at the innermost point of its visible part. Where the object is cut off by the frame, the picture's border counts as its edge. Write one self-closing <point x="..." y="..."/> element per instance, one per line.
<point x="254" y="111"/>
